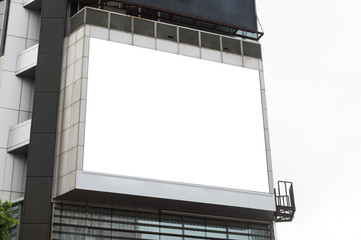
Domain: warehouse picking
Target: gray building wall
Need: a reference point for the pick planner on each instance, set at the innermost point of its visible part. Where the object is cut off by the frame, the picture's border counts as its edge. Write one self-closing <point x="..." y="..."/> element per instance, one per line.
<point x="16" y="95"/>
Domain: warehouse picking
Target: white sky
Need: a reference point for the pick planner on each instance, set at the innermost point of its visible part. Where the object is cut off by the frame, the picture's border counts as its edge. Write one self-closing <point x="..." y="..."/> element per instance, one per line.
<point x="312" y="67"/>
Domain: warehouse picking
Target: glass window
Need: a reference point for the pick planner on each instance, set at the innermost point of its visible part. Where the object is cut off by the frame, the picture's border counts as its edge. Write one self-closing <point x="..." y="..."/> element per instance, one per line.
<point x="196" y="233"/>
<point x="171" y="230"/>
<point x="147" y="228"/>
<point x="150" y="226"/>
<point x="99" y="213"/>
<point x="147" y="236"/>
<point x="123" y="216"/>
<point x="172" y="221"/>
<point x="73" y="221"/>
<point x="170" y="238"/>
<point x="123" y="226"/>
<point x="196" y="223"/>
<point x="238" y="237"/>
<point x="126" y="235"/>
<point x="235" y="227"/>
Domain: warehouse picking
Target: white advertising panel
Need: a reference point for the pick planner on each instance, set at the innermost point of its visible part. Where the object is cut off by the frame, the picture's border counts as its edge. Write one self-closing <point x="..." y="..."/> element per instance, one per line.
<point x="157" y="115"/>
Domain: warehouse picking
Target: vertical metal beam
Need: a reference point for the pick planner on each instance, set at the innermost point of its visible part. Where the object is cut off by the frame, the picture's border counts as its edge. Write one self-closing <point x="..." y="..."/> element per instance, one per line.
<point x="37" y="212"/>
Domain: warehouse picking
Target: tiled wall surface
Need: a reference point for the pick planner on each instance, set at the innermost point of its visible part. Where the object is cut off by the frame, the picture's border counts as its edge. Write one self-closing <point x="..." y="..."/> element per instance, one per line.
<point x="16" y="95"/>
<point x="71" y="112"/>
<point x="72" y="105"/>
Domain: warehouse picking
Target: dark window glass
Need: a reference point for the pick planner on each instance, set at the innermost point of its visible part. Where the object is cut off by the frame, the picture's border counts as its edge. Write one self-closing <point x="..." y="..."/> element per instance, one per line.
<point x="126" y="235"/>
<point x="216" y="225"/>
<point x="252" y="50"/>
<point x="231" y="45"/>
<point x="167" y="230"/>
<point x="73" y="229"/>
<point x="195" y="233"/>
<point x="143" y="27"/>
<point x="167" y="32"/>
<point x="171" y="238"/>
<point x="97" y="18"/>
<point x="4" y="14"/>
<point x="94" y="231"/>
<point x="76" y="21"/>
<point x="122" y="226"/>
<point x="235" y="227"/>
<point x="71" y="236"/>
<point x="188" y="36"/>
<point x="210" y="41"/>
<point x="123" y="216"/>
<point x="120" y="22"/>
<point x="147" y="236"/>
<point x="238" y="237"/>
<point x="99" y="213"/>
<point x="126" y="224"/>
<point x="195" y="223"/>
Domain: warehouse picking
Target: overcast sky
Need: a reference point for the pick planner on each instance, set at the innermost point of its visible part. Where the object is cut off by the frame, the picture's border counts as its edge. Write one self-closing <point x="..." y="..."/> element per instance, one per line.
<point x="311" y="52"/>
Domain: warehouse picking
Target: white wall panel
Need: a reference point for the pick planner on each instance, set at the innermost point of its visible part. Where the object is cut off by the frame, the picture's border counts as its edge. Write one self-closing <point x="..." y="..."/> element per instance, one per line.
<point x="18" y="20"/>
<point x="19" y="135"/>
<point x="14" y="46"/>
<point x="10" y="120"/>
<point x="143" y="41"/>
<point x="34" y="24"/>
<point x="27" y="59"/>
<point x="19" y="173"/>
<point x="10" y="89"/>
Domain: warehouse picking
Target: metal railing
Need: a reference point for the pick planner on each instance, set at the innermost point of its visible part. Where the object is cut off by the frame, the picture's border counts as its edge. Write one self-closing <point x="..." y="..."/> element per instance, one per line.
<point x="161" y="30"/>
<point x="172" y="17"/>
<point x="285" y="202"/>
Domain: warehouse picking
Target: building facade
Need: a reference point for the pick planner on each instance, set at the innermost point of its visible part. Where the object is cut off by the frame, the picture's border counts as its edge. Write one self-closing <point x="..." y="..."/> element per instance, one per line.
<point x="122" y="121"/>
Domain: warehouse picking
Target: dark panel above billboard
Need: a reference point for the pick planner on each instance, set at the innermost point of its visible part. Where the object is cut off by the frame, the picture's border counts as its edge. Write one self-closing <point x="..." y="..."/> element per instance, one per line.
<point x="240" y="14"/>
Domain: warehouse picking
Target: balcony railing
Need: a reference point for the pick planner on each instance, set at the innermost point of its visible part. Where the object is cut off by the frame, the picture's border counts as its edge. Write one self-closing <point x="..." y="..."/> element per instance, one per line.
<point x="171" y="17"/>
<point x="165" y="31"/>
<point x="285" y="202"/>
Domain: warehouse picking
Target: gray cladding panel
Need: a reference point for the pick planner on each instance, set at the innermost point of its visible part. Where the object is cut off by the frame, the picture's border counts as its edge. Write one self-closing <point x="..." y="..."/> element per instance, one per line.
<point x="120" y="22"/>
<point x="42" y="163"/>
<point x="37" y="205"/>
<point x="53" y="8"/>
<point x="231" y="45"/>
<point x="252" y="50"/>
<point x="98" y="18"/>
<point x="35" y="231"/>
<point x="167" y="32"/>
<point x="51" y="35"/>
<point x="45" y="111"/>
<point x="144" y="27"/>
<point x="210" y="41"/>
<point x="45" y="79"/>
<point x="188" y="36"/>
<point x="36" y="220"/>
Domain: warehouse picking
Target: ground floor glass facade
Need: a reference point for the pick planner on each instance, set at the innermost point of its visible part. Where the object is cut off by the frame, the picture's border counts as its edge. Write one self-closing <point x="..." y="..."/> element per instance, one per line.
<point x="85" y="222"/>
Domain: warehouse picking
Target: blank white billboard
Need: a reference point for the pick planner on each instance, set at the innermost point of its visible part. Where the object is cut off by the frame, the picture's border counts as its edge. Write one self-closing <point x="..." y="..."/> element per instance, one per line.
<point x="157" y="115"/>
